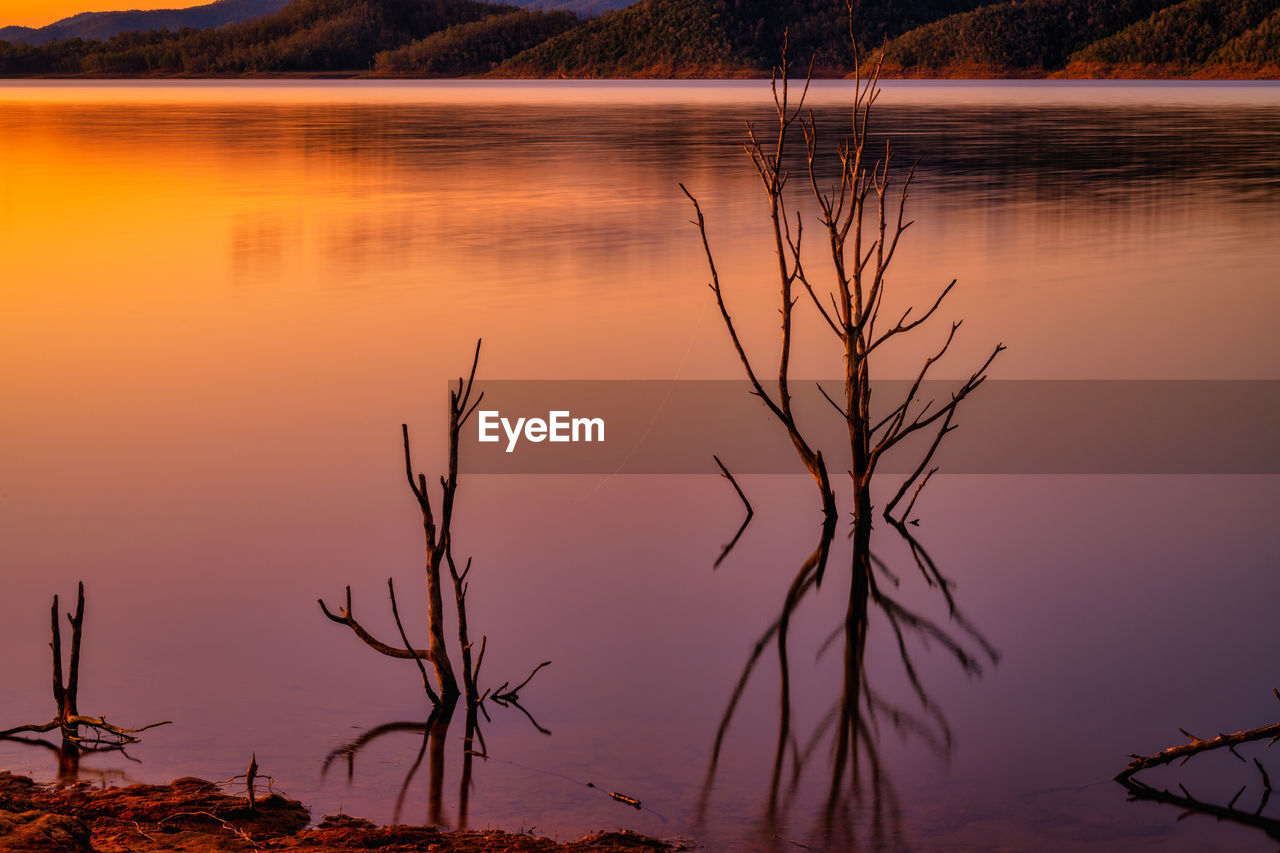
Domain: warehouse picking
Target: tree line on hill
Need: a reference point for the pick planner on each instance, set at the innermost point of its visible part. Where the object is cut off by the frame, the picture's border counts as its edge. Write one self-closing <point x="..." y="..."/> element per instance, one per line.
<point x="696" y="38"/>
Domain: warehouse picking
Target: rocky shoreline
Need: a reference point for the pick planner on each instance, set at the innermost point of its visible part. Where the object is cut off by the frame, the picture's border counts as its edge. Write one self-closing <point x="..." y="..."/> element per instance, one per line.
<point x="194" y="816"/>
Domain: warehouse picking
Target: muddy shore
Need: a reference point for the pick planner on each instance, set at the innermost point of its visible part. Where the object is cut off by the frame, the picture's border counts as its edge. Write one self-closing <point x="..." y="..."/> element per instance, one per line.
<point x="195" y="816"/>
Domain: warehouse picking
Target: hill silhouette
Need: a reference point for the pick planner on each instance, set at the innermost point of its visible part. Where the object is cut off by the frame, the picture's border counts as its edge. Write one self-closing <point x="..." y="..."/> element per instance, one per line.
<point x="305" y="36"/>
<point x="104" y="25"/>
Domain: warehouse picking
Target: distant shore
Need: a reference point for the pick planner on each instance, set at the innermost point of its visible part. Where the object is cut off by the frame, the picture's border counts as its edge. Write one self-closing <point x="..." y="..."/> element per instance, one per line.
<point x="967" y="72"/>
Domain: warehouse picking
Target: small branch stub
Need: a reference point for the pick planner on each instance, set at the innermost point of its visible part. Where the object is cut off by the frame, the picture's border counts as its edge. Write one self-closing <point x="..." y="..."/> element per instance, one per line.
<point x="250" y="776"/>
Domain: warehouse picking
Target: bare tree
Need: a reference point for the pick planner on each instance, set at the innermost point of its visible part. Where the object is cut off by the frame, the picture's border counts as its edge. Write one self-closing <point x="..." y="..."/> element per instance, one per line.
<point x="862" y="216"/>
<point x="863" y="220"/>
<point x="439" y="555"/>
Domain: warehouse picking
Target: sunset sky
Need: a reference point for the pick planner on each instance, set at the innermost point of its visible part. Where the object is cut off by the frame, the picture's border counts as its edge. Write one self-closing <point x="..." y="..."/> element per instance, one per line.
<point x="37" y="13"/>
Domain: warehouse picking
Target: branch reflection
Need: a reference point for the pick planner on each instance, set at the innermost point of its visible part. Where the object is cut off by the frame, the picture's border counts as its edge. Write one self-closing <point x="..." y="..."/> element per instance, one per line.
<point x="69" y="754"/>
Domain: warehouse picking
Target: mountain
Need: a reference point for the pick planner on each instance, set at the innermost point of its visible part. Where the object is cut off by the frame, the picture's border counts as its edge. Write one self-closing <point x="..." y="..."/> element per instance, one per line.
<point x="696" y="37"/>
<point x="104" y="25"/>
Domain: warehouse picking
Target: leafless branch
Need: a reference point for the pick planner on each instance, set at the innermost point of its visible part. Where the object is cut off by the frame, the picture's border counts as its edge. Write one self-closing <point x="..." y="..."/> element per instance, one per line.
<point x="417" y="657"/>
<point x="768" y="160"/>
<point x="346" y="617"/>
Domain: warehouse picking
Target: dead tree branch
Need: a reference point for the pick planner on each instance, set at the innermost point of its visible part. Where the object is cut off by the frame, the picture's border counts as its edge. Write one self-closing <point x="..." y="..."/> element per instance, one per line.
<point x="101" y="735"/>
<point x="768" y="160"/>
<point x="438" y="540"/>
<point x="417" y="658"/>
<point x="864" y="219"/>
<point x="344" y="616"/>
<point x="1182" y="753"/>
<point x="1195" y="746"/>
<point x="501" y="694"/>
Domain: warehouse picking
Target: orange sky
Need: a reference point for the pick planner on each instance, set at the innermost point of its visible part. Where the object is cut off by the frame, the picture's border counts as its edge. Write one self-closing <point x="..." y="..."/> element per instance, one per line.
<point x="37" y="13"/>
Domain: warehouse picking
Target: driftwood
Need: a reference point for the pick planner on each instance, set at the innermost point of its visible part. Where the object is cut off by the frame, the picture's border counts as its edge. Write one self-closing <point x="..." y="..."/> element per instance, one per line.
<point x="100" y="735"/>
<point x="438" y="535"/>
<point x="1182" y="753"/>
<point x="1196" y="745"/>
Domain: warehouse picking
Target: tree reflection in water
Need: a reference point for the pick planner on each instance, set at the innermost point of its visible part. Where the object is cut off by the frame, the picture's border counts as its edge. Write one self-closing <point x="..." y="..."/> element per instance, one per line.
<point x="851" y="727"/>
<point x="435" y="733"/>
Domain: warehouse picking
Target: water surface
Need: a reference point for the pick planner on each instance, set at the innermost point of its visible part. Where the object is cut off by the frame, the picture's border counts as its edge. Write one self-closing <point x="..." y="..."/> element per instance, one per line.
<point x="222" y="299"/>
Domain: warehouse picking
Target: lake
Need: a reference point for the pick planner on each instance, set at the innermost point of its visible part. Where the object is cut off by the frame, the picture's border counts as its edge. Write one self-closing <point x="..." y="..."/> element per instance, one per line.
<point x="222" y="299"/>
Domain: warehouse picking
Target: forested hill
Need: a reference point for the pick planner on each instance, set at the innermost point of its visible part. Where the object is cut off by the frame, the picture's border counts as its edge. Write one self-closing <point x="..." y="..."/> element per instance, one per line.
<point x="711" y="37"/>
<point x="1025" y="35"/>
<point x="696" y="38"/>
<point x="1095" y="37"/>
<point x="1203" y="34"/>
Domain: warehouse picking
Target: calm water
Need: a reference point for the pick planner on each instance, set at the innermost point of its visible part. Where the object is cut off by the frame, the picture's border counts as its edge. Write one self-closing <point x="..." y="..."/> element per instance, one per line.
<point x="221" y="300"/>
